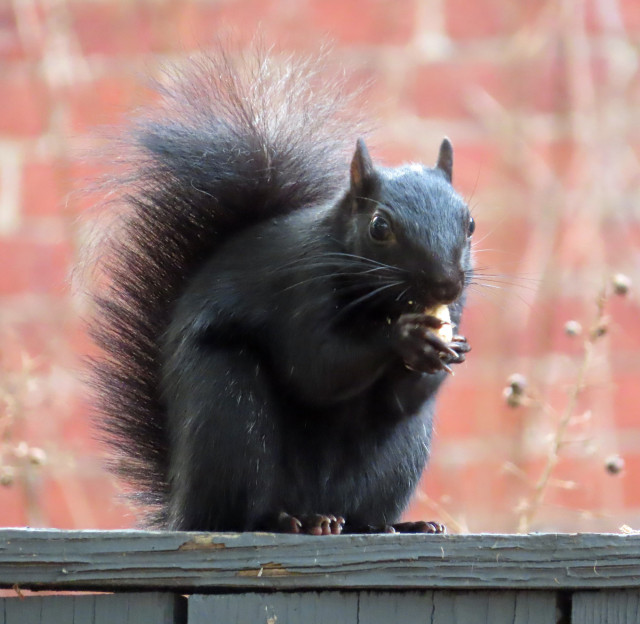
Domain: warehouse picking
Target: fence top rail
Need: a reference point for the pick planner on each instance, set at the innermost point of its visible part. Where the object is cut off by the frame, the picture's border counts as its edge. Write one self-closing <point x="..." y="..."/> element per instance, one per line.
<point x="210" y="562"/>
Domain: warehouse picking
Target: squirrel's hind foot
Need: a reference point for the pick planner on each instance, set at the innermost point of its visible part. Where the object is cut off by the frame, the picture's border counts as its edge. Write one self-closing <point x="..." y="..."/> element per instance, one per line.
<point x="422" y="526"/>
<point x="310" y="524"/>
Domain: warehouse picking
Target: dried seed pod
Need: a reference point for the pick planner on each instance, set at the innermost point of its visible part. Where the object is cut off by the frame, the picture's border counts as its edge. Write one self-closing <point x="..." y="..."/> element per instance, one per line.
<point x="614" y="464"/>
<point x="37" y="456"/>
<point x="517" y="382"/>
<point x="621" y="284"/>
<point x="572" y="328"/>
<point x="600" y="329"/>
<point x="7" y="475"/>
<point x="511" y="397"/>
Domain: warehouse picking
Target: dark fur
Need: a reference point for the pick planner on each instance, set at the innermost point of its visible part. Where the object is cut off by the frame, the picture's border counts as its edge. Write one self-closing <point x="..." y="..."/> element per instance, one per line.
<point x="251" y="364"/>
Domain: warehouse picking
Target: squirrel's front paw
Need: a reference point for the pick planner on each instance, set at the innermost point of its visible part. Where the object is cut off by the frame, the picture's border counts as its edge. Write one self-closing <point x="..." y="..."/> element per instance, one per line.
<point x="460" y="345"/>
<point x="421" y="350"/>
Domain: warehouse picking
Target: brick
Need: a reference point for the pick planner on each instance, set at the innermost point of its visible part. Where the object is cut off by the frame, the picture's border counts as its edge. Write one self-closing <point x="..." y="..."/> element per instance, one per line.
<point x="114" y="28"/>
<point x="590" y="480"/>
<point x="559" y="156"/>
<point x="624" y="330"/>
<point x="45" y="186"/>
<point x="392" y="153"/>
<point x="456" y="89"/>
<point x="623" y="20"/>
<point x="444" y="89"/>
<point x="488" y="18"/>
<point x="619" y="236"/>
<point x="558" y="312"/>
<point x="104" y="101"/>
<point x="473" y="485"/>
<point x="74" y="501"/>
<point x="591" y="504"/>
<point x="12" y="506"/>
<point x="475" y="164"/>
<point x="76" y="427"/>
<point x="106" y="503"/>
<point x="49" y="332"/>
<point x="34" y="267"/>
<point x="471" y="403"/>
<point x="475" y="169"/>
<point x="26" y="340"/>
<point x="630" y="482"/>
<point x="619" y="243"/>
<point x="630" y="10"/>
<point x="458" y="406"/>
<point x="626" y="399"/>
<point x="85" y="176"/>
<point x="24" y="111"/>
<point x="480" y="325"/>
<point x="544" y="330"/>
<point x="78" y="340"/>
<point x="540" y="84"/>
<point x="199" y="25"/>
<point x="378" y="22"/>
<point x="11" y="47"/>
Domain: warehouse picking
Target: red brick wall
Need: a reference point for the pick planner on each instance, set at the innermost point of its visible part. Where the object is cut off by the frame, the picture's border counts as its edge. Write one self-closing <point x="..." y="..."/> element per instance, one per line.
<point x="540" y="99"/>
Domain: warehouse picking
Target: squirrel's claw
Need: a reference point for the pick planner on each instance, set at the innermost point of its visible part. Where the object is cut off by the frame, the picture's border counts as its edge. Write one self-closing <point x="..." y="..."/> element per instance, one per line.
<point x="310" y="524"/>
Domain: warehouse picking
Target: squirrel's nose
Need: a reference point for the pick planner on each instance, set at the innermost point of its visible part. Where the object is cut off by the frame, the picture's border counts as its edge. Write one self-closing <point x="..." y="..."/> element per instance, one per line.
<point x="446" y="288"/>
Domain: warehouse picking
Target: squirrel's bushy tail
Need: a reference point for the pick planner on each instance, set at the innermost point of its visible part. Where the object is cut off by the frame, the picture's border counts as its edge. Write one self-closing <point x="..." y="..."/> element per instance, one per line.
<point x="232" y="141"/>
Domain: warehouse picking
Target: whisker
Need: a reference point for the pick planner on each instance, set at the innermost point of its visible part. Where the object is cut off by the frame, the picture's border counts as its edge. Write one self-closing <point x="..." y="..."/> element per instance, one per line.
<point x="328" y="276"/>
<point x="375" y="201"/>
<point x="368" y="296"/>
<point x="504" y="277"/>
<point x="485" y="285"/>
<point x="502" y="285"/>
<point x="335" y="265"/>
<point x="402" y="294"/>
<point x="344" y="254"/>
<point x="483" y="290"/>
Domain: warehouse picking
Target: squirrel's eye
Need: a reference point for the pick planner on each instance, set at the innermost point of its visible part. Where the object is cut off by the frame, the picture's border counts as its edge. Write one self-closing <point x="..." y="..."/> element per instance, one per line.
<point x="380" y="229"/>
<point x="471" y="228"/>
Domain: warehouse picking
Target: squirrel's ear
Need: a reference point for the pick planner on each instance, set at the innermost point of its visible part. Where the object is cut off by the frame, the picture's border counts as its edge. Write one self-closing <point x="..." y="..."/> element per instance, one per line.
<point x="361" y="168"/>
<point x="445" y="158"/>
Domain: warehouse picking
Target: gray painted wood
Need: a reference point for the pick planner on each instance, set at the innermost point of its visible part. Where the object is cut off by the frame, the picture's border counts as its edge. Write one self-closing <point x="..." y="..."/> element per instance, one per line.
<point x="463" y="607"/>
<point x="494" y="607"/>
<point x="84" y="607"/>
<point x="281" y="608"/>
<point x="134" y="608"/>
<point x="606" y="607"/>
<point x="429" y="607"/>
<point x="406" y="607"/>
<point x="190" y="562"/>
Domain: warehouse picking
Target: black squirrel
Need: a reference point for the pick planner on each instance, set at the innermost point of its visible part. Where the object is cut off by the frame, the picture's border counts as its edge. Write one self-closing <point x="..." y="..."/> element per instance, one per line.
<point x="267" y="360"/>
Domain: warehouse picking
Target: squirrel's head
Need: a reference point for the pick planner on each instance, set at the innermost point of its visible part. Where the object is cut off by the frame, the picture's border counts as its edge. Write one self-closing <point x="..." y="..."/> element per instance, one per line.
<point x="411" y="219"/>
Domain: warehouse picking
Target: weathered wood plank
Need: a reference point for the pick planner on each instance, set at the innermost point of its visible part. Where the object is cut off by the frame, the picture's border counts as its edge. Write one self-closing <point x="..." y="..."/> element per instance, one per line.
<point x="282" y="608"/>
<point x="132" y="608"/>
<point x="507" y="607"/>
<point x="407" y="607"/>
<point x="459" y="607"/>
<point x="189" y="561"/>
<point x="428" y="607"/>
<point x="606" y="607"/>
<point x="17" y="611"/>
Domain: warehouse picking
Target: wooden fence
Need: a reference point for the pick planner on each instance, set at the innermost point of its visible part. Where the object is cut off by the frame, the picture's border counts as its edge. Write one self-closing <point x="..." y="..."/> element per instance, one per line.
<point x="224" y="578"/>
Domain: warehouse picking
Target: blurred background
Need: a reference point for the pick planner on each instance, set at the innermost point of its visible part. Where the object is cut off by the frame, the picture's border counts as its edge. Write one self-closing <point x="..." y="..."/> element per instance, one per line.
<point x="541" y="99"/>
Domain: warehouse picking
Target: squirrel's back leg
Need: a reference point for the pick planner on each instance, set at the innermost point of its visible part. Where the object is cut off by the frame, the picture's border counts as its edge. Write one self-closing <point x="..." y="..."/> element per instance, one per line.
<point x="226" y="472"/>
<point x="224" y="438"/>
